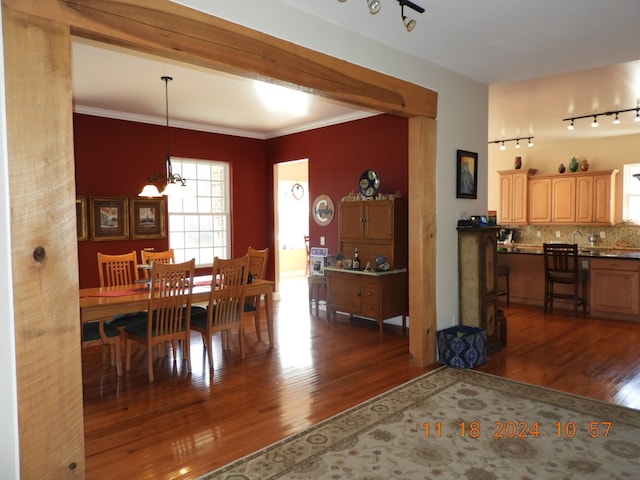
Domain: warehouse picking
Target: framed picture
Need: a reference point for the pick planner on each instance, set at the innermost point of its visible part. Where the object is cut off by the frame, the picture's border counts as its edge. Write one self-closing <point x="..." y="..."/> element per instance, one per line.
<point x="147" y="218"/>
<point x="466" y="174"/>
<point x="81" y="218"/>
<point x="109" y="218"/>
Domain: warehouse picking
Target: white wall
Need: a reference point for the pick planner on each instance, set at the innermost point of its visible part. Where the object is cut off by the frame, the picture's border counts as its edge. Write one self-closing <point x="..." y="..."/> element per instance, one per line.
<point x="9" y="458"/>
<point x="462" y="113"/>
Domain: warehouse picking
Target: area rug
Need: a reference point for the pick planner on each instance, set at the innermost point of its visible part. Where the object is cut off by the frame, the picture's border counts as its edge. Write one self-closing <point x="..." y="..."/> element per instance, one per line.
<point x="457" y="424"/>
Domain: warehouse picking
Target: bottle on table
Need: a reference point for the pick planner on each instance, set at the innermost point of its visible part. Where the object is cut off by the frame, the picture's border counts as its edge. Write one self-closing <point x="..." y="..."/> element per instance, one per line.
<point x="356" y="260"/>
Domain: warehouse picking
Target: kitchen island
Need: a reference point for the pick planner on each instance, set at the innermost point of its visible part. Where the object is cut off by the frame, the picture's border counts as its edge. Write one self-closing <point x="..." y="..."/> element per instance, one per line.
<point x="614" y="279"/>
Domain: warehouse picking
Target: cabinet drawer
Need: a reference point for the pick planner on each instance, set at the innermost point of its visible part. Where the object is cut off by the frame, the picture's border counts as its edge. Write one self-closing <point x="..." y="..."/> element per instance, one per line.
<point x="370" y="283"/>
<point x="370" y="294"/>
<point x="615" y="264"/>
<point x="370" y="308"/>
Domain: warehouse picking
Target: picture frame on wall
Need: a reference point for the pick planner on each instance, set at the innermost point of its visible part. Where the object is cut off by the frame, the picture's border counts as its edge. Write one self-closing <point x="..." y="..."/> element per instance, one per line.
<point x="466" y="174"/>
<point x="81" y="218"/>
<point x="109" y="218"/>
<point x="147" y="218"/>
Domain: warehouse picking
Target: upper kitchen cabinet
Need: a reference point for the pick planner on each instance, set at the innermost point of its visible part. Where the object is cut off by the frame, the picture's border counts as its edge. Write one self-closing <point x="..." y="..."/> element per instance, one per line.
<point x="514" y="196"/>
<point x="595" y="198"/>
<point x="586" y="198"/>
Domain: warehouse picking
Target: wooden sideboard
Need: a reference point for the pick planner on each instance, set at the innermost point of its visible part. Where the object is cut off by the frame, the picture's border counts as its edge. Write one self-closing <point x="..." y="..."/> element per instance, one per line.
<point x="376" y="295"/>
<point x="374" y="227"/>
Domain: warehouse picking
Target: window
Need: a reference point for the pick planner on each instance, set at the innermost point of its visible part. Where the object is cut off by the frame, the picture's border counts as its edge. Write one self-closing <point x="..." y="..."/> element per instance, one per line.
<point x="199" y="223"/>
<point x="631" y="193"/>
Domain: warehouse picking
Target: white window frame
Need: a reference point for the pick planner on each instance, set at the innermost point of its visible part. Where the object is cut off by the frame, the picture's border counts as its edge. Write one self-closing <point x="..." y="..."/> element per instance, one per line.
<point x="200" y="221"/>
<point x="630" y="193"/>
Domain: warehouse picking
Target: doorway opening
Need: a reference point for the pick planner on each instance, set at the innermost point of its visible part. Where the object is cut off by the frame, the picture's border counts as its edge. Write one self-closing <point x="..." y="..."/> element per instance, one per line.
<point x="291" y="207"/>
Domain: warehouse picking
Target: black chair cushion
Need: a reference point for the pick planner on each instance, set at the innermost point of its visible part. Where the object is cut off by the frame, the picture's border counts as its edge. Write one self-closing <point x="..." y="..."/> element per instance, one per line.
<point x="139" y="328"/>
<point x="248" y="307"/>
<point x="91" y="331"/>
<point x="120" y="321"/>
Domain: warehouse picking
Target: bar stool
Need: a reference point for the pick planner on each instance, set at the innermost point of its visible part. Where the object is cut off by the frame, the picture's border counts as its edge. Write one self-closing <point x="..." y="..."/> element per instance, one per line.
<point x="503" y="271"/>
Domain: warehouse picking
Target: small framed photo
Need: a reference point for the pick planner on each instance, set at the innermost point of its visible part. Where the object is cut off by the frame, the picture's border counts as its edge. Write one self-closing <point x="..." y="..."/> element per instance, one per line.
<point x="81" y="218"/>
<point x="147" y="218"/>
<point x="466" y="174"/>
<point x="109" y="218"/>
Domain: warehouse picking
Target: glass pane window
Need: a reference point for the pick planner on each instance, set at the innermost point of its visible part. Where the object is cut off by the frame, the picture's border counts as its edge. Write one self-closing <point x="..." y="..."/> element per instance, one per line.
<point x="199" y="222"/>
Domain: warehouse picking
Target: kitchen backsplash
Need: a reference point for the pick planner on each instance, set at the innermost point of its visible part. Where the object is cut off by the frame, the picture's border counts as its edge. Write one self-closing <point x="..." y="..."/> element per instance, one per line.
<point x="618" y="236"/>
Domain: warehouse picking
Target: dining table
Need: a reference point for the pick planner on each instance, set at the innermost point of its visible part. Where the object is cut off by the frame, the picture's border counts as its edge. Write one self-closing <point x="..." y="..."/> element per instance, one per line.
<point x="103" y="302"/>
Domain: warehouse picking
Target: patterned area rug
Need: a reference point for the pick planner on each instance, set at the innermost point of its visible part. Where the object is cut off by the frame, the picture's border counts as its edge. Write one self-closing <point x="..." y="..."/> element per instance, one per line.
<point x="458" y="424"/>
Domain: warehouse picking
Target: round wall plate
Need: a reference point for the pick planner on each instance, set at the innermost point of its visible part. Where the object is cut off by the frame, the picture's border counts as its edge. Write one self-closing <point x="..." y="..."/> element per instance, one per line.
<point x="369" y="183"/>
<point x="323" y="210"/>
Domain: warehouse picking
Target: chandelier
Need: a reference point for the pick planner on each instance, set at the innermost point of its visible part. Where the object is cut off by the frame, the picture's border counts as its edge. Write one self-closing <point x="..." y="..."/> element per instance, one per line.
<point x="171" y="181"/>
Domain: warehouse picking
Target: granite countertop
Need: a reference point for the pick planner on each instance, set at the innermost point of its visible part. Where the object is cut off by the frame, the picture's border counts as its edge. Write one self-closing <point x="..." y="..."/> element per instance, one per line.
<point x="378" y="273"/>
<point x="583" y="252"/>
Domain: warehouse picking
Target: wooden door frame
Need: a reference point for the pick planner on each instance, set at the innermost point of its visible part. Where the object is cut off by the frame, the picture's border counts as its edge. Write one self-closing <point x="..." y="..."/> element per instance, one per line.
<point x="156" y="27"/>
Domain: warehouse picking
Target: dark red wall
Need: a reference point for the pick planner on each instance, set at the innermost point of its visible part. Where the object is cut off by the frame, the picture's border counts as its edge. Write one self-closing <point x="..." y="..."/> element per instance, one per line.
<point x="339" y="154"/>
<point x="114" y="158"/>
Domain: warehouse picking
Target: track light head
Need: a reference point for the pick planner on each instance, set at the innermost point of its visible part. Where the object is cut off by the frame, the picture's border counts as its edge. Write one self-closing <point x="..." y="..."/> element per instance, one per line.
<point x="570" y="126"/>
<point x="530" y="144"/>
<point x="595" y="123"/>
<point x="374" y="6"/>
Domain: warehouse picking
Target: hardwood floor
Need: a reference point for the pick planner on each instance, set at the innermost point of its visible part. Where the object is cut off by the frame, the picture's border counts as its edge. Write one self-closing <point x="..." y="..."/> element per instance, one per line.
<point x="185" y="425"/>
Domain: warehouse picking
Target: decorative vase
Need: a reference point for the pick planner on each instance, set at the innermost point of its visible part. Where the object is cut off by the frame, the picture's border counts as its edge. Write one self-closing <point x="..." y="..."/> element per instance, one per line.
<point x="584" y="165"/>
<point x="561" y="168"/>
<point x="518" y="163"/>
<point x="573" y="164"/>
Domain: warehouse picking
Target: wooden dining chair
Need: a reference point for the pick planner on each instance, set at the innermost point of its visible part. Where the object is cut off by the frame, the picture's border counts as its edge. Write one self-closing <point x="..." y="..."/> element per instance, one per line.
<point x="148" y="256"/>
<point x="117" y="270"/>
<point x="103" y="333"/>
<point x="168" y="315"/>
<point x="562" y="267"/>
<point x="258" y="269"/>
<point x="224" y="312"/>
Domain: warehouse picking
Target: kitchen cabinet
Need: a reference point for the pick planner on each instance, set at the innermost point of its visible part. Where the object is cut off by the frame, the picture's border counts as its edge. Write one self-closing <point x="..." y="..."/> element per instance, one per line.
<point x="595" y="198"/>
<point x="615" y="288"/>
<point x="582" y="198"/>
<point x="478" y="286"/>
<point x="563" y="199"/>
<point x="375" y="295"/>
<point x="374" y="227"/>
<point x="540" y="200"/>
<point x="514" y="201"/>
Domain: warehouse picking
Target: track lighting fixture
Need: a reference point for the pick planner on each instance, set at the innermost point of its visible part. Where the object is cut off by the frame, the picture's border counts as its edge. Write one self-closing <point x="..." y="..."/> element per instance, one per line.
<point x="409" y="23"/>
<point x="517" y="140"/>
<point x="374" y="6"/>
<point x="615" y="113"/>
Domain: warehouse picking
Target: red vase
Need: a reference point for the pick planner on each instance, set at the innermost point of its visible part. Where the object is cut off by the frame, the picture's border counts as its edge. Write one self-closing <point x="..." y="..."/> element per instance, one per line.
<point x="518" y="163"/>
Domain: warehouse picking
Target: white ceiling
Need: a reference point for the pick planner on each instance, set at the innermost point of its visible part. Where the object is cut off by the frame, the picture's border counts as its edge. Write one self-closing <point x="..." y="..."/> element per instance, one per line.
<point x="544" y="61"/>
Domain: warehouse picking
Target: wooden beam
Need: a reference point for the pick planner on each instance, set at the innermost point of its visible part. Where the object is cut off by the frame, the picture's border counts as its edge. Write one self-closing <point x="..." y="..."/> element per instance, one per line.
<point x="169" y="30"/>
<point x="46" y="303"/>
<point x="422" y="241"/>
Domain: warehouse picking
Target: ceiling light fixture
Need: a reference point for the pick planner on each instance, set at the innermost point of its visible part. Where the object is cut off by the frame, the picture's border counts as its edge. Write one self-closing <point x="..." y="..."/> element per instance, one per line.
<point x="171" y="181"/>
<point x="517" y="140"/>
<point x="409" y="23"/>
<point x="595" y="116"/>
<point x="374" y="6"/>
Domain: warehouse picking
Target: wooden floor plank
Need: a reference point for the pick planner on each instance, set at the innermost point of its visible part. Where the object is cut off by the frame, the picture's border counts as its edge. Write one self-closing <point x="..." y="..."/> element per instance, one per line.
<point x="184" y="425"/>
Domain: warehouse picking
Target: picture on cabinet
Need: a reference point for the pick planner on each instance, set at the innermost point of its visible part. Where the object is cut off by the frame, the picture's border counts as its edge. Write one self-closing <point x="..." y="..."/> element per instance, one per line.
<point x="109" y="218"/>
<point x="147" y="218"/>
<point x="81" y="218"/>
<point x="466" y="174"/>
